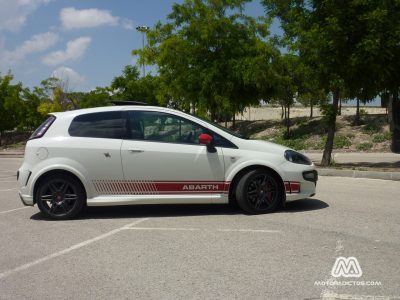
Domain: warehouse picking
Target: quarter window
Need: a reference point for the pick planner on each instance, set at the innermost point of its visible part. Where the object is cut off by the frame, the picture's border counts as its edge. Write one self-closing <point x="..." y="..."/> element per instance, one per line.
<point x="109" y="125"/>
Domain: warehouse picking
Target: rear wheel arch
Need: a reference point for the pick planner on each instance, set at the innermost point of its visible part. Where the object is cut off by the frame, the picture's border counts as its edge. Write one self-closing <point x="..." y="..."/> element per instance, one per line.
<point x="242" y="172"/>
<point x="55" y="172"/>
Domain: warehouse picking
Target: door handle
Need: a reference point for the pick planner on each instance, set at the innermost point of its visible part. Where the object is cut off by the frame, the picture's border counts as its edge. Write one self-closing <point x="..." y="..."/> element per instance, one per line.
<point x="135" y="150"/>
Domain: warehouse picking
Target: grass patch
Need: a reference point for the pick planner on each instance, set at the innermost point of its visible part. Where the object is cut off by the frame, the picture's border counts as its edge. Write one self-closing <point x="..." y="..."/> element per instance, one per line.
<point x="364" y="146"/>
<point x="339" y="142"/>
<point x="380" y="138"/>
<point x="296" y="144"/>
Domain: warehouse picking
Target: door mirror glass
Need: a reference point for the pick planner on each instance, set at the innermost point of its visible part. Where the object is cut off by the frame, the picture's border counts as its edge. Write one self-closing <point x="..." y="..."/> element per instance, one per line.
<point x="205" y="139"/>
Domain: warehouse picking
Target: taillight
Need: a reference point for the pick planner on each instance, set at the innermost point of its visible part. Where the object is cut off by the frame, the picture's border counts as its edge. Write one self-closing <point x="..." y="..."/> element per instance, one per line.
<point x="41" y="130"/>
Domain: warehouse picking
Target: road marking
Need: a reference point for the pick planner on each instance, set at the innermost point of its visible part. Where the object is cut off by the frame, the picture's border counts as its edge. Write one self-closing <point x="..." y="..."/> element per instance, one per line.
<point x="68" y="250"/>
<point x="249" y="230"/>
<point x="11" y="210"/>
<point x="8" y="190"/>
<point x="326" y="291"/>
<point x="332" y="295"/>
<point x="199" y="229"/>
<point x="164" y="228"/>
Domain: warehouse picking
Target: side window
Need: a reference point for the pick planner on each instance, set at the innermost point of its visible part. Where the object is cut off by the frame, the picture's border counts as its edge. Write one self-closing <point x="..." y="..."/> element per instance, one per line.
<point x="162" y="127"/>
<point x="109" y="125"/>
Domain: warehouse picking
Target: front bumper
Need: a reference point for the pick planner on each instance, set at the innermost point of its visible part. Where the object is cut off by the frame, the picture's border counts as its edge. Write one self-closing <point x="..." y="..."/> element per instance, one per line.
<point x="303" y="178"/>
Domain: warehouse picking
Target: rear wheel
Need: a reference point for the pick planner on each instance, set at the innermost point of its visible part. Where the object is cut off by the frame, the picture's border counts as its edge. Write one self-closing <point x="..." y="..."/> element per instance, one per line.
<point x="259" y="191"/>
<point x="60" y="197"/>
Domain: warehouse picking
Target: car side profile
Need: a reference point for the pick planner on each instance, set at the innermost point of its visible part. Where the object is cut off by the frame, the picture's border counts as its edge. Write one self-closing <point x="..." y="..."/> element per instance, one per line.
<point x="124" y="155"/>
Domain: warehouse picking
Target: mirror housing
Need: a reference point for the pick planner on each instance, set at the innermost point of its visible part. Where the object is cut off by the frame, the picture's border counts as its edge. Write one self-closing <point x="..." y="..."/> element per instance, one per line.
<point x="205" y="139"/>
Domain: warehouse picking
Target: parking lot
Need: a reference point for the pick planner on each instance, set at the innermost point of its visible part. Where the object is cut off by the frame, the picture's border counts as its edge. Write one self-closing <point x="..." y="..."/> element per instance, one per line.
<point x="205" y="251"/>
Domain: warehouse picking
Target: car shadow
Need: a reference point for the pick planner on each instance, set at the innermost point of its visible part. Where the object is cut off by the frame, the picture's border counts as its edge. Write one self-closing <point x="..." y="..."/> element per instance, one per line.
<point x="303" y="205"/>
<point x="180" y="210"/>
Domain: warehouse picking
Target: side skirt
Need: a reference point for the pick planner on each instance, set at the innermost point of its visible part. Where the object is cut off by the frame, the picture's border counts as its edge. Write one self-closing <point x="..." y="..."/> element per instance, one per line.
<point x="110" y="200"/>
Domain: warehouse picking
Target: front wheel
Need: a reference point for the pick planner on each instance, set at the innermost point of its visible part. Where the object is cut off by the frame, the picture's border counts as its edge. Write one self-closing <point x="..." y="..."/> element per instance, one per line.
<point x="259" y="192"/>
<point x="60" y="197"/>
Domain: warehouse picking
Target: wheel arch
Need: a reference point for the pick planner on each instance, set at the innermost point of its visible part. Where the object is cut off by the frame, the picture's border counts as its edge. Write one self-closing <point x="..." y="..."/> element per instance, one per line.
<point x="236" y="177"/>
<point x="54" y="172"/>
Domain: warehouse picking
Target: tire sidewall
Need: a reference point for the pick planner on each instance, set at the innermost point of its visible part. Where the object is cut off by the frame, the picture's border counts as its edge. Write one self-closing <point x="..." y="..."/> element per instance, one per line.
<point x="79" y="203"/>
<point x="241" y="192"/>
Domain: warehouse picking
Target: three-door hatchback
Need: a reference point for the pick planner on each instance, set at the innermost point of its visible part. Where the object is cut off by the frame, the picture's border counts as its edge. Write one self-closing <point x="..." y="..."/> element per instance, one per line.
<point x="123" y="155"/>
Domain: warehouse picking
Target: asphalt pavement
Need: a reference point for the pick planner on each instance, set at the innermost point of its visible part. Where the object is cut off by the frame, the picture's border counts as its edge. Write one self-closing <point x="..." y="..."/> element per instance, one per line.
<point x="206" y="251"/>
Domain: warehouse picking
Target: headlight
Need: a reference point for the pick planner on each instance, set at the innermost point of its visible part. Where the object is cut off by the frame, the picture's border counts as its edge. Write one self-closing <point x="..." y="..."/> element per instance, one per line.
<point x="297" y="158"/>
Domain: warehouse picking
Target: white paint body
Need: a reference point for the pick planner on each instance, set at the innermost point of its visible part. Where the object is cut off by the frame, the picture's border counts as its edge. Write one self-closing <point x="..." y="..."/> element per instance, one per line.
<point x="134" y="170"/>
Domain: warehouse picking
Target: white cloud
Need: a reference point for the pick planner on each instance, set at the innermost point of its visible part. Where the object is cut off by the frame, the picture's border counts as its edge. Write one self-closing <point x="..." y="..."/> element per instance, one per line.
<point x="13" y="13"/>
<point x="72" y="18"/>
<point x="127" y="24"/>
<point x="69" y="77"/>
<point x="37" y="43"/>
<point x="75" y="50"/>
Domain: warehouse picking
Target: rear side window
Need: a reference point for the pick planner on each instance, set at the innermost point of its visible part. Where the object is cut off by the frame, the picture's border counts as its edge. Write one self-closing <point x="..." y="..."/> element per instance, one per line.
<point x="41" y="130"/>
<point x="108" y="125"/>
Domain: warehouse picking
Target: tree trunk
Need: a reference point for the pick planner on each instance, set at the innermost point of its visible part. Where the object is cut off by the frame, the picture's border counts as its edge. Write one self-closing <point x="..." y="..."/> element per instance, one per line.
<point x="282" y="112"/>
<point x="311" y="109"/>
<point x="357" y="121"/>
<point x="327" y="156"/>
<point x="340" y="107"/>
<point x="1" y="137"/>
<point x="394" y="117"/>
<point x="288" y="122"/>
<point x="234" y="121"/>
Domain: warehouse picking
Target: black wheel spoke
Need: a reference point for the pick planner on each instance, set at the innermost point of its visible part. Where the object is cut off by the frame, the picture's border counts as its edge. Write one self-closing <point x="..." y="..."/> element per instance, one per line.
<point x="53" y="188"/>
<point x="262" y="191"/>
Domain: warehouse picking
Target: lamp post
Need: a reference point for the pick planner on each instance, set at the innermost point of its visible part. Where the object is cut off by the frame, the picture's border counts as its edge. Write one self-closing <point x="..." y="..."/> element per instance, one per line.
<point x="143" y="30"/>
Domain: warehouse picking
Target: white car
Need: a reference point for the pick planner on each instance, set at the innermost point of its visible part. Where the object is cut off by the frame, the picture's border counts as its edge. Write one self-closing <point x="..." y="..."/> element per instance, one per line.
<point x="123" y="155"/>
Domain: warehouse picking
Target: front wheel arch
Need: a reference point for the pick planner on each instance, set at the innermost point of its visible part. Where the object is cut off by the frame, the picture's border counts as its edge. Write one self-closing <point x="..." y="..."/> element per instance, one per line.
<point x="53" y="173"/>
<point x="241" y="173"/>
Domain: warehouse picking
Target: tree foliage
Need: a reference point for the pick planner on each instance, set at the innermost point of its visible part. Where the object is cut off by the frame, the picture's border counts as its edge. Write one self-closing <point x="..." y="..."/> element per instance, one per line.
<point x="210" y="56"/>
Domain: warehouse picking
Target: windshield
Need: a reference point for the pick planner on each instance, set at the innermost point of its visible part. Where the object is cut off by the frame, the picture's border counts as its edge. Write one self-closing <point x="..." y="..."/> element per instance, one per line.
<point x="238" y="135"/>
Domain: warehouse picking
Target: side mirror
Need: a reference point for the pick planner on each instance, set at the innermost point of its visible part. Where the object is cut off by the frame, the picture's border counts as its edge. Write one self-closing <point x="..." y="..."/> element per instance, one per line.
<point x="205" y="139"/>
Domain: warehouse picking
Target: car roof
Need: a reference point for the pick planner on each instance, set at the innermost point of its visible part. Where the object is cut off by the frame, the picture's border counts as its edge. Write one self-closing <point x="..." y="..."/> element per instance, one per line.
<point x="78" y="112"/>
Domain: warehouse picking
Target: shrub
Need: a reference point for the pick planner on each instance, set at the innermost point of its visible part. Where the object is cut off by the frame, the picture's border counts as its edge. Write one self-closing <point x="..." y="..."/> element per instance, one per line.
<point x="364" y="146"/>
<point x="380" y="138"/>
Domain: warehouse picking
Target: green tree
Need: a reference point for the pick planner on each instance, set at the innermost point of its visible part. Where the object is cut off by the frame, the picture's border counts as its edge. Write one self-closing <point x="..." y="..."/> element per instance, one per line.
<point x="10" y="102"/>
<point x="337" y="41"/>
<point x="210" y="56"/>
<point x="95" y="98"/>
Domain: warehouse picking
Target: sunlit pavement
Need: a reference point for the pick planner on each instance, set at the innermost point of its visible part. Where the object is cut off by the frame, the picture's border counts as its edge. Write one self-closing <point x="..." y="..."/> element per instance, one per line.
<point x="205" y="251"/>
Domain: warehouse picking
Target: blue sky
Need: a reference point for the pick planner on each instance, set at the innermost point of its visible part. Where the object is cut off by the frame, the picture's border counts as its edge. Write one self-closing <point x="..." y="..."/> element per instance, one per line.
<point x="88" y="42"/>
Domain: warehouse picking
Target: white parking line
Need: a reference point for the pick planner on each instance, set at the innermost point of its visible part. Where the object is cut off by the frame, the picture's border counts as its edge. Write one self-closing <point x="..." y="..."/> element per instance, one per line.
<point x="164" y="228"/>
<point x="11" y="210"/>
<point x="249" y="230"/>
<point x="199" y="229"/>
<point x="8" y="190"/>
<point x="67" y="250"/>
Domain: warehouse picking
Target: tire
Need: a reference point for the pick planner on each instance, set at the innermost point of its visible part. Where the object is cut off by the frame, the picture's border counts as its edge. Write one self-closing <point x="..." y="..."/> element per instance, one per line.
<point x="60" y="197"/>
<point x="259" y="192"/>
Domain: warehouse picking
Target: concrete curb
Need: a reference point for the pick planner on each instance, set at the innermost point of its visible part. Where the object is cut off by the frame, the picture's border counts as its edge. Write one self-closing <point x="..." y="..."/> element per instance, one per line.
<point x="359" y="174"/>
<point x="17" y="154"/>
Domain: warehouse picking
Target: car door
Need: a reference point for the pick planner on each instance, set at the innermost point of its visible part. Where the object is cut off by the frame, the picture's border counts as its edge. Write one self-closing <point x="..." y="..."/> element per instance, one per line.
<point x="95" y="146"/>
<point x="164" y="156"/>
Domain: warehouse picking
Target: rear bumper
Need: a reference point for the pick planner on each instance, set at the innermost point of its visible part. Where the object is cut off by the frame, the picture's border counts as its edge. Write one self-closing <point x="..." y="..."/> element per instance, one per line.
<point x="26" y="200"/>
